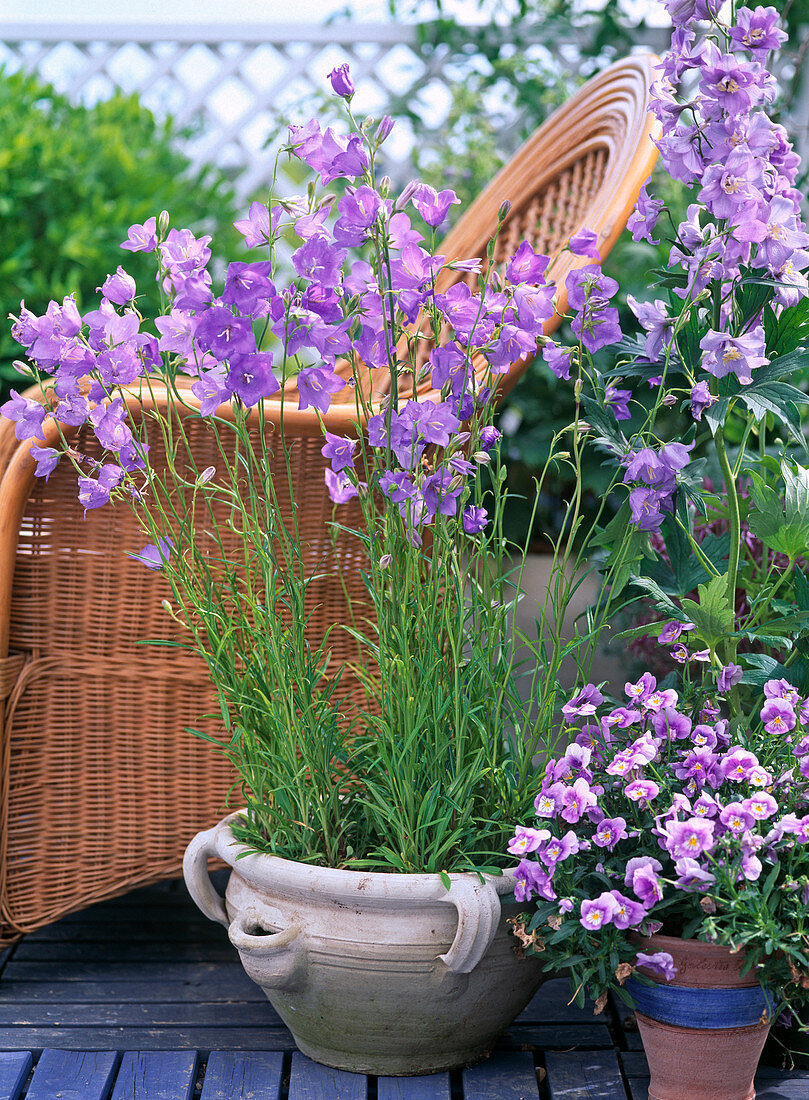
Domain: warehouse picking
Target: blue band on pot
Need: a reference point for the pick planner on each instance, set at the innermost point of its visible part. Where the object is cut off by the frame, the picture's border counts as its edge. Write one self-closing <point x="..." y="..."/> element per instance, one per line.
<point x="701" y="1008"/>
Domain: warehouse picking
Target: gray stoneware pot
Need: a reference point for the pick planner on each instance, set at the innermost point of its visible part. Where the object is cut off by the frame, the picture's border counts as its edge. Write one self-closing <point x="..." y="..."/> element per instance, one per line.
<point x="375" y="973"/>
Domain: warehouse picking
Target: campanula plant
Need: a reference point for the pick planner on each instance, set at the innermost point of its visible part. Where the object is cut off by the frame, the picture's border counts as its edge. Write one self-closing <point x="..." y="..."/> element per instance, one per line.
<point x="425" y="767"/>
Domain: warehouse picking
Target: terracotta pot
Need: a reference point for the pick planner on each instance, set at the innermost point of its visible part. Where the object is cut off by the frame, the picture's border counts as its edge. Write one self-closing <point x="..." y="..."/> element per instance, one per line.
<point x="375" y="973"/>
<point x="704" y="1031"/>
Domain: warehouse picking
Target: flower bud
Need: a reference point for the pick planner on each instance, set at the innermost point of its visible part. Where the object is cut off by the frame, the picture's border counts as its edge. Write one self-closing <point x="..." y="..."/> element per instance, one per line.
<point x="385" y="561"/>
<point x="166" y="607"/>
<point x="482" y="458"/>
<point x="384" y="186"/>
<point x="577" y="385"/>
<point x="502" y="213"/>
<point x="206" y="475"/>
<point x="341" y="81"/>
<point x="22" y="368"/>
<point x="163" y="221"/>
<point x="384" y="128"/>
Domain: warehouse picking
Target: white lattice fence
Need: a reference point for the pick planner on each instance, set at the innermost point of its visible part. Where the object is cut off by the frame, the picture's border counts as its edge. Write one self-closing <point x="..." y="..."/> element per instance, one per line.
<point x="232" y="90"/>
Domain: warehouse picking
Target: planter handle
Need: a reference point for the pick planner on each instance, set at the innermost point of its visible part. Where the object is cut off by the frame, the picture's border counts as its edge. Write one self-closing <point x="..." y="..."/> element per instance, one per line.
<point x="197" y="879"/>
<point x="478" y="905"/>
<point x="279" y="955"/>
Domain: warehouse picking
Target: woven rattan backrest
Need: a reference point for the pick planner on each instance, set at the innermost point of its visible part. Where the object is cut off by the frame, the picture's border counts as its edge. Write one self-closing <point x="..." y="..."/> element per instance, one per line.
<point x="100" y="785"/>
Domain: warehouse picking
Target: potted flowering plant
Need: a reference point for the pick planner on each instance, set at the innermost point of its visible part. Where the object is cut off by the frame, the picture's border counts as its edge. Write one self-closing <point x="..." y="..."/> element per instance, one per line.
<point x="683" y="809"/>
<point x="382" y="762"/>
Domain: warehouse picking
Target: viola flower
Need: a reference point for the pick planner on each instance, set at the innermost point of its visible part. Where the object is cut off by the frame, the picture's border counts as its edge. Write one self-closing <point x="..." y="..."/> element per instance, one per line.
<point x="736" y="818"/>
<point x="627" y="913"/>
<point x="526" y="840"/>
<point x="641" y="790"/>
<point x="597" y="912"/>
<point x="760" y="806"/>
<point x="559" y="848"/>
<point x="781" y="689"/>
<point x="737" y="764"/>
<point x="585" y="703"/>
<point x="778" y="716"/>
<point x="609" y="831"/>
<point x="691" y="876"/>
<point x="645" y="884"/>
<point x="660" y="963"/>
<point x="576" y="800"/>
<point x="729" y="676"/>
<point x="545" y="804"/>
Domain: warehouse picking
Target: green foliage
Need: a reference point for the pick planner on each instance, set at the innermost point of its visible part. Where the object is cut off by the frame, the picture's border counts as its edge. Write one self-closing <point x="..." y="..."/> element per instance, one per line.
<point x="72" y="181"/>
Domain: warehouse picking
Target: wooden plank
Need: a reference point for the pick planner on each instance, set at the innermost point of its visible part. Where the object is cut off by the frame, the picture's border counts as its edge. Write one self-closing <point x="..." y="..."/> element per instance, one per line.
<point x="503" y="1077"/>
<point x="149" y="1013"/>
<point x="587" y="1075"/>
<point x="119" y="953"/>
<point x="14" y="1070"/>
<point x="556" y="1037"/>
<point x="634" y="1063"/>
<point x="225" y="989"/>
<point x="73" y="1075"/>
<point x="235" y="1075"/>
<point x="436" y="1086"/>
<point x="551" y="1005"/>
<point x="140" y="1038"/>
<point x="156" y="1075"/>
<point x="129" y="931"/>
<point x="117" y="972"/>
<point x="783" y="1088"/>
<point x="311" y="1081"/>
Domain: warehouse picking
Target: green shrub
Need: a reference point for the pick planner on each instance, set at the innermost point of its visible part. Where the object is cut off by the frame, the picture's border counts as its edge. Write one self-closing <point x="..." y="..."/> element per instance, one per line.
<point x="72" y="181"/>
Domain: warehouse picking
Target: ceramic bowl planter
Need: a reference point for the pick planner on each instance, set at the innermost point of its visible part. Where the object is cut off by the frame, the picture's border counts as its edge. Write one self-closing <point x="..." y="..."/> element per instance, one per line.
<point x="704" y="1031"/>
<point x="375" y="973"/>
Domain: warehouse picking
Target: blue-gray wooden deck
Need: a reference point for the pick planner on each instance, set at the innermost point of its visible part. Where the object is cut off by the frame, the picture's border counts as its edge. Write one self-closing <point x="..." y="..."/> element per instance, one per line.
<point x="142" y="998"/>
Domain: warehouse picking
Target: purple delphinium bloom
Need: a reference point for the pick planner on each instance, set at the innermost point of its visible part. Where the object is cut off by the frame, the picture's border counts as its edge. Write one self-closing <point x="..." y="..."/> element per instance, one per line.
<point x="757" y="30"/>
<point x="119" y="288"/>
<point x="474" y="519"/>
<point x="585" y="243"/>
<point x="341" y="82"/>
<point x="729" y="676"/>
<point x="154" y="556"/>
<point x="29" y="416"/>
<point x="644" y="217"/>
<point x="660" y="963"/>
<point x="315" y="386"/>
<point x="778" y="716"/>
<point x="46" y="459"/>
<point x="526" y="840"/>
<point x="142" y="238"/>
<point x="740" y="355"/>
<point x="659" y="327"/>
<point x="597" y="912"/>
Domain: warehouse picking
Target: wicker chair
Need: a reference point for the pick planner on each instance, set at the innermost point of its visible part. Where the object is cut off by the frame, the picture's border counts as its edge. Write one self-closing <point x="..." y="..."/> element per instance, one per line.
<point x="100" y="785"/>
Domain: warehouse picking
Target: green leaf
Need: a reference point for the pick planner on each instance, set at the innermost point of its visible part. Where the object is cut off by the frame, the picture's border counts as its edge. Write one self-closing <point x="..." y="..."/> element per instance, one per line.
<point x="711" y="614"/>
<point x="785" y="533"/>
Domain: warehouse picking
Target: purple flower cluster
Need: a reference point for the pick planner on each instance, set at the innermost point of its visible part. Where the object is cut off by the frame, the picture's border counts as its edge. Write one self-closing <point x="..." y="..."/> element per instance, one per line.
<point x="653" y="475"/>
<point x="343" y="305"/>
<point x="721" y="141"/>
<point x="654" y="801"/>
